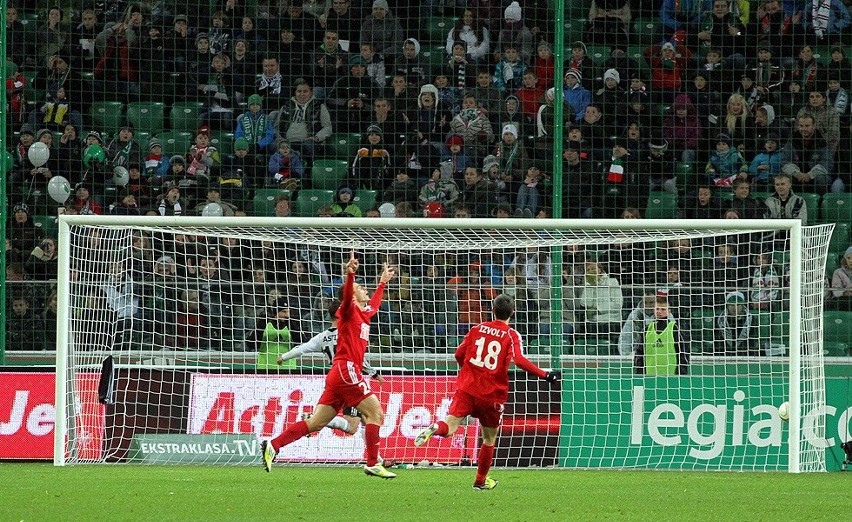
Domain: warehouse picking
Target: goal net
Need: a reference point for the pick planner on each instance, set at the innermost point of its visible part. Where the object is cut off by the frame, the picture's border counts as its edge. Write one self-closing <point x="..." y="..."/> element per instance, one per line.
<point x="677" y="341"/>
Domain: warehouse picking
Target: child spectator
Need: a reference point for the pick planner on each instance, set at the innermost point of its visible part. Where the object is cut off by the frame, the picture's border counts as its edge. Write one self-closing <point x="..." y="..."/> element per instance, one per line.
<point x="473" y="125"/>
<point x="575" y="94"/>
<point x="16" y="96"/>
<point x="512" y="158"/>
<point x="371" y="167"/>
<point x="23" y="331"/>
<point x="766" y="164"/>
<point x="668" y="65"/>
<point x="529" y="194"/>
<point x="736" y="329"/>
<point x="214" y="195"/>
<point x="84" y="203"/>
<point x="156" y="163"/>
<point x="440" y="190"/>
<point x="748" y="207"/>
<point x="530" y="94"/>
<point x="765" y="283"/>
<point x="203" y="157"/>
<point x="663" y="350"/>
<point x="509" y="72"/>
<point x="543" y="65"/>
<point x="611" y="98"/>
<point x="841" y="284"/>
<point x="285" y="167"/>
<point x="449" y="96"/>
<point x="704" y="205"/>
<point x="726" y="164"/>
<point x="126" y="205"/>
<point x="343" y="205"/>
<point x="255" y="126"/>
<point x="462" y="71"/>
<point x="171" y="203"/>
<point x="403" y="188"/>
<point x="454" y="155"/>
<point x="659" y="166"/>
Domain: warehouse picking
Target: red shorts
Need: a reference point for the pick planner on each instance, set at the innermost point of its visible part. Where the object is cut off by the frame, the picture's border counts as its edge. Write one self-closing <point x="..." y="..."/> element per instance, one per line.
<point x="344" y="386"/>
<point x="489" y="413"/>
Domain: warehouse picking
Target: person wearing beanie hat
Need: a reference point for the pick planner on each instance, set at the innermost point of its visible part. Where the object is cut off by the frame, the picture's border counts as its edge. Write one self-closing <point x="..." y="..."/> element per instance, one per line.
<point x="511" y="130"/>
<point x="512" y="13"/>
<point x="27" y="129"/>
<point x="736" y="328"/>
<point x="454" y="156"/>
<point x="489" y="163"/>
<point x="577" y="96"/>
<point x="241" y="144"/>
<point x="255" y="126"/>
<point x="513" y="161"/>
<point x="156" y="163"/>
<point x="382" y="28"/>
<point x="371" y="167"/>
<point x="726" y="164"/>
<point x="766" y="163"/>
<point x="612" y="74"/>
<point x="343" y="205"/>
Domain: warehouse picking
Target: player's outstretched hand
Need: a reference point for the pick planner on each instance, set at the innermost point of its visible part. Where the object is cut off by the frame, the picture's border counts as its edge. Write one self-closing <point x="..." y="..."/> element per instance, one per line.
<point x="352" y="264"/>
<point x="388" y="272"/>
<point x="553" y="377"/>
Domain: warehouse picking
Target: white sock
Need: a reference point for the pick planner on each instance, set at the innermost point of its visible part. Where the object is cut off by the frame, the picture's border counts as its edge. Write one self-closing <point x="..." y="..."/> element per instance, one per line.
<point x="339" y="423"/>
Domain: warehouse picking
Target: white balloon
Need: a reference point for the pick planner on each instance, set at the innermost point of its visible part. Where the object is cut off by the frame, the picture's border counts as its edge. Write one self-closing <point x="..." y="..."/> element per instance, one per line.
<point x="212" y="209"/>
<point x="59" y="189"/>
<point x="120" y="176"/>
<point x="387" y="210"/>
<point x="38" y="154"/>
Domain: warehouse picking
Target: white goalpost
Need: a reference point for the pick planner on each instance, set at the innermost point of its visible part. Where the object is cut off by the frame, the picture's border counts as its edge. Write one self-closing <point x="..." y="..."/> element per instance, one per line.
<point x="677" y="340"/>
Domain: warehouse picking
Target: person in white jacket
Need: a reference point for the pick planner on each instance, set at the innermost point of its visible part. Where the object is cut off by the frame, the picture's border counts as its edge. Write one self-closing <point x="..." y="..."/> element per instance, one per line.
<point x="602" y="299"/>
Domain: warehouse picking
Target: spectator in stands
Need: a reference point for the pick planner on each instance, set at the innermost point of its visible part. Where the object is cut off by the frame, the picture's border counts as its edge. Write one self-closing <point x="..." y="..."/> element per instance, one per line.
<point x="375" y="64"/>
<point x="668" y="70"/>
<point x="453" y="156"/>
<point x="171" y="203"/>
<point x="51" y="37"/>
<point x="840" y="65"/>
<point x="601" y="299"/>
<point x="474" y="33"/>
<point x="735" y="122"/>
<point x="772" y="25"/>
<point x="809" y="152"/>
<point x="840" y="297"/>
<point x="765" y="283"/>
<point x="346" y="21"/>
<point x="403" y="188"/>
<point x="473" y="293"/>
<point x="243" y="67"/>
<point x="514" y="32"/>
<point x="476" y="194"/>
<point x="304" y="121"/>
<point x="488" y="97"/>
<point x="305" y="27"/>
<point x="762" y="125"/>
<point x="371" y="167"/>
<point x="391" y="122"/>
<point x="721" y="28"/>
<point x="351" y="97"/>
<point x="530" y="196"/>
<point x="220" y="33"/>
<point x="736" y="329"/>
<point x="512" y="157"/>
<point x="343" y="205"/>
<point x="86" y="205"/>
<point x="217" y="94"/>
<point x="22" y="235"/>
<point x="16" y="45"/>
<point x="609" y="23"/>
<point x="766" y="164"/>
<point x="439" y="189"/>
<point x="611" y="99"/>
<point x="678" y="16"/>
<point x="726" y="164"/>
<point x="473" y="125"/>
<point x="42" y="263"/>
<point x="431" y="122"/>
<point x="784" y="203"/>
<point x="23" y="329"/>
<point x="830" y="24"/>
<point x="270" y="84"/>
<point x="582" y="63"/>
<point x="663" y="350"/>
<point x="381" y="28"/>
<point x="704" y="205"/>
<point x="59" y="74"/>
<point x="254" y="126"/>
<point x="578" y="175"/>
<point x="633" y="331"/>
<point x="575" y="94"/>
<point x="509" y="72"/>
<point x="283" y="206"/>
<point x="285" y="168"/>
<point x="328" y="64"/>
<point x="410" y="64"/>
<point x="806" y="72"/>
<point x="748" y="207"/>
<point x="826" y="119"/>
<point x="241" y="170"/>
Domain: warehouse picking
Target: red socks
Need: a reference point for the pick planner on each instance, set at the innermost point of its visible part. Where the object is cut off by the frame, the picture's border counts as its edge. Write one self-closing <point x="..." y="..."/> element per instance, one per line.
<point x="443" y="429"/>
<point x="371" y="438"/>
<point x="293" y="433"/>
<point x="486" y="454"/>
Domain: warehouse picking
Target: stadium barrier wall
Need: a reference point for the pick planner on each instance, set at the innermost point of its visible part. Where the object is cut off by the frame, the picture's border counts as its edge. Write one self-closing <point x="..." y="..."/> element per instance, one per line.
<point x="702" y="423"/>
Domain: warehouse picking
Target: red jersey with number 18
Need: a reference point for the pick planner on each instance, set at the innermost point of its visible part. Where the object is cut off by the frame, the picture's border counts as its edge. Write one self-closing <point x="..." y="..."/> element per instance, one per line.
<point x="484" y="357"/>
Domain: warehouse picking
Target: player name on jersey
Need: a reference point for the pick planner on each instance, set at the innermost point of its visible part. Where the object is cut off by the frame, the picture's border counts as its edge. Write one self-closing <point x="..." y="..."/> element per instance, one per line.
<point x="496" y="332"/>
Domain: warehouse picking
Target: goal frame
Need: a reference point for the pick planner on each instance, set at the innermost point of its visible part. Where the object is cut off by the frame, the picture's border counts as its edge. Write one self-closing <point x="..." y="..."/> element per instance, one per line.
<point x="65" y="404"/>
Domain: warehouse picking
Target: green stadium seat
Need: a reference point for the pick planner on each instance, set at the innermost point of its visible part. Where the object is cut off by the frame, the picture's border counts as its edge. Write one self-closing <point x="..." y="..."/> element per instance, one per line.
<point x="223" y="141"/>
<point x="645" y="30"/>
<point x="106" y="116"/>
<point x="328" y="174"/>
<point x="661" y="205"/>
<point x="832" y="262"/>
<point x="365" y="199"/>
<point x="598" y="53"/>
<point x="835" y="349"/>
<point x="822" y="53"/>
<point x="142" y="138"/>
<point x="308" y="201"/>
<point x="175" y="142"/>
<point x="436" y="57"/>
<point x="592" y="347"/>
<point x="773" y="327"/>
<point x="343" y="146"/>
<point x="437" y="29"/>
<point x="812" y="204"/>
<point x="575" y="28"/>
<point x="147" y="116"/>
<point x="184" y="116"/>
<point x="725" y="195"/>
<point x="840" y="237"/>
<point x="761" y="196"/>
<point x="47" y="224"/>
<point x="263" y="203"/>
<point x="837" y="326"/>
<point x="836" y="208"/>
<point x="684" y="172"/>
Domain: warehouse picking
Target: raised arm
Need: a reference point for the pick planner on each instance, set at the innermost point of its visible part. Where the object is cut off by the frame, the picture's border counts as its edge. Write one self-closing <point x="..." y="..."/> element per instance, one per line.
<point x="314" y="344"/>
<point x="388" y="272"/>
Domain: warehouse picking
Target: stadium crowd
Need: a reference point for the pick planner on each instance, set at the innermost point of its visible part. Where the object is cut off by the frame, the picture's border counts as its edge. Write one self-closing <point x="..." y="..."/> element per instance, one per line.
<point x="677" y="109"/>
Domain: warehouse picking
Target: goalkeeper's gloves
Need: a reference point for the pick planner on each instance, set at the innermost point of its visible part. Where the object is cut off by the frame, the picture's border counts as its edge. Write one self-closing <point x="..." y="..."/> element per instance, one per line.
<point x="553" y="377"/>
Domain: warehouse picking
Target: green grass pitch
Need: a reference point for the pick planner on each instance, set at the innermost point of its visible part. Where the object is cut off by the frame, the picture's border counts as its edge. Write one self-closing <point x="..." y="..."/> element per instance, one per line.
<point x="122" y="492"/>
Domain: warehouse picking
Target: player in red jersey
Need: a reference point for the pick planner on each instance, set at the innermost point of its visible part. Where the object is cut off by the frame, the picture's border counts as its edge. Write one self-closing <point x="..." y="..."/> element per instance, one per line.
<point x="344" y="384"/>
<point x="482" y="386"/>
